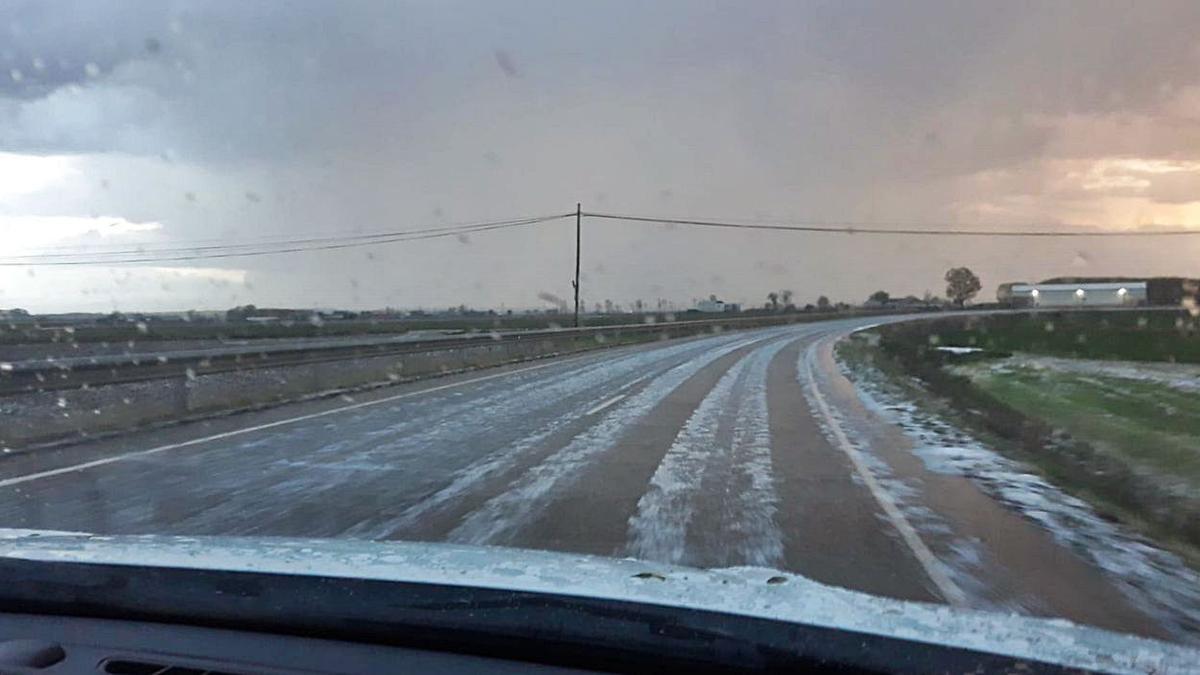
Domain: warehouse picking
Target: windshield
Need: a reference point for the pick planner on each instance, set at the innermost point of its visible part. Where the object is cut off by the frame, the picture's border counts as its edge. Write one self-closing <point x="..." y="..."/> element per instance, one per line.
<point x="899" y="298"/>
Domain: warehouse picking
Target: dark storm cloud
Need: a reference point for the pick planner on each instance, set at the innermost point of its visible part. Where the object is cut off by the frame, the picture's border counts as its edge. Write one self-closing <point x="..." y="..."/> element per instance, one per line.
<point x="272" y="78"/>
<point x="350" y="116"/>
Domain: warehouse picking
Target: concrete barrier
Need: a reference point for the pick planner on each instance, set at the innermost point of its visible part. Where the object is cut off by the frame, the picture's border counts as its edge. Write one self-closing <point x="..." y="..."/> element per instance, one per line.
<point x="37" y="418"/>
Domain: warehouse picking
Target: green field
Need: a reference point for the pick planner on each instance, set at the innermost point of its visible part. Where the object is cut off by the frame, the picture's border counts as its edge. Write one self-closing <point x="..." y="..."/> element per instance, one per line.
<point x="1153" y="427"/>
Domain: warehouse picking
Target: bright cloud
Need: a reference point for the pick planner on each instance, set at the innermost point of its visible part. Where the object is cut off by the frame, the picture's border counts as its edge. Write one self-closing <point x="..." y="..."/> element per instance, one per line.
<point x="28" y="234"/>
<point x="24" y="174"/>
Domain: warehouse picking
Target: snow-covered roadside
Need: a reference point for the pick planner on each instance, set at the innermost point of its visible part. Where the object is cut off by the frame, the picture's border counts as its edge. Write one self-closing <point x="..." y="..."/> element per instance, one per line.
<point x="1185" y="377"/>
<point x="1156" y="581"/>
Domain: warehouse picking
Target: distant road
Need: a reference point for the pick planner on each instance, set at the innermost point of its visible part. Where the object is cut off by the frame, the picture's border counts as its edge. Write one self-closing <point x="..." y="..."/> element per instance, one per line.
<point x="716" y="451"/>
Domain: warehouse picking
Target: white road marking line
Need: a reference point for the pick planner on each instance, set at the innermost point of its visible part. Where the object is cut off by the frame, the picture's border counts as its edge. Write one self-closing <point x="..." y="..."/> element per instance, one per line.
<point x="17" y="480"/>
<point x="632" y="382"/>
<point x="934" y="568"/>
<point x="604" y="405"/>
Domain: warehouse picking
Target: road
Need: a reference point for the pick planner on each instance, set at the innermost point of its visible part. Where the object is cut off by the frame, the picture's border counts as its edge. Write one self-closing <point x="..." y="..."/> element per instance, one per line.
<point x="716" y="451"/>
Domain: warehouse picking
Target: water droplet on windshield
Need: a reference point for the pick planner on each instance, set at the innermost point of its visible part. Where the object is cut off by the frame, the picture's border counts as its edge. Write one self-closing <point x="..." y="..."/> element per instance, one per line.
<point x="92" y="70"/>
<point x="191" y="374"/>
<point x="16" y="75"/>
<point x="142" y="328"/>
<point x="61" y="402"/>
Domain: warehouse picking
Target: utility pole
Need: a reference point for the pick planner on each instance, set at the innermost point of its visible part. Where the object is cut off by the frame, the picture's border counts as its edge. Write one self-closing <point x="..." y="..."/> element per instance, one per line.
<point x="578" y="233"/>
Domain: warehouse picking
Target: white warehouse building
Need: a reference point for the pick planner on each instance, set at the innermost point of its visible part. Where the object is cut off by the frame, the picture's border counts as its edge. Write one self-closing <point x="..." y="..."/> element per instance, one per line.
<point x="1114" y="294"/>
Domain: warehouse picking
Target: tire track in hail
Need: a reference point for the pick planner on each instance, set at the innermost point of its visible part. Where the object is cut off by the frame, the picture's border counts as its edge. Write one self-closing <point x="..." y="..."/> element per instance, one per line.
<point x="742" y="517"/>
<point x="500" y="518"/>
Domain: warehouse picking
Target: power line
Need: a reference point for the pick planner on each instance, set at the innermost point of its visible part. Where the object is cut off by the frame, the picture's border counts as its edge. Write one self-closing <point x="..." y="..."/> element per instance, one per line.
<point x="335" y="242"/>
<point x="873" y="228"/>
<point x="411" y="235"/>
<point x="368" y="238"/>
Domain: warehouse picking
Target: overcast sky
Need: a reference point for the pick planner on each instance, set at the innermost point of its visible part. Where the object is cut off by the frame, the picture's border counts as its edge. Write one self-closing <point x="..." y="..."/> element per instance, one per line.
<point x="161" y="122"/>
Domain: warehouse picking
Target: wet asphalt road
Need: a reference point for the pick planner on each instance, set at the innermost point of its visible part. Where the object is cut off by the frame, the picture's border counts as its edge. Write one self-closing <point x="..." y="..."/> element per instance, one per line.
<point x="708" y="451"/>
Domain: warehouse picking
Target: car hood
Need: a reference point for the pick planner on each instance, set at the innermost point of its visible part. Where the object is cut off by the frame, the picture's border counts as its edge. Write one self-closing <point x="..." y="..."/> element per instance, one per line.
<point x="751" y="591"/>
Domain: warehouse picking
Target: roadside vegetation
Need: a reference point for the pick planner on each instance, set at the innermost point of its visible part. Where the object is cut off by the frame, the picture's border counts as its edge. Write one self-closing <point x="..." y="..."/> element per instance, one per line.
<point x="1130" y="446"/>
<point x="1129" y="336"/>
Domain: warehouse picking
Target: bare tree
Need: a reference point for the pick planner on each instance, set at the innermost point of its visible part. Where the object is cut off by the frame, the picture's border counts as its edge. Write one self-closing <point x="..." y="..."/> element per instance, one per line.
<point x="786" y="297"/>
<point x="773" y="301"/>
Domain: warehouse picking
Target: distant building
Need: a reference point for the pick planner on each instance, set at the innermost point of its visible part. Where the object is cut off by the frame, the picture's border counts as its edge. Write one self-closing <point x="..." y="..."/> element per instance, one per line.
<point x="1087" y="294"/>
<point x="713" y="306"/>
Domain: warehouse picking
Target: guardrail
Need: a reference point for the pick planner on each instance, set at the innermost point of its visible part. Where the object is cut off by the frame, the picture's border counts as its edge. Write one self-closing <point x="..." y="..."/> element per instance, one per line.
<point x="58" y="374"/>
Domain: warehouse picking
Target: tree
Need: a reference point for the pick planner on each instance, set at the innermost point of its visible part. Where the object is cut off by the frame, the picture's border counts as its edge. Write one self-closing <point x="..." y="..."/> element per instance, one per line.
<point x="961" y="285"/>
<point x="773" y="300"/>
<point x="880" y="297"/>
<point x="823" y="304"/>
<point x="786" y="297"/>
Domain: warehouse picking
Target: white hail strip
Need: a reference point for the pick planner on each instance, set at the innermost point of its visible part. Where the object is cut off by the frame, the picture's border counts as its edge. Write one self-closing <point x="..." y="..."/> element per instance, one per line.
<point x="658" y="531"/>
<point x="82" y="466"/>
<point x="470" y="477"/>
<point x="17" y="480"/>
<point x="498" y="519"/>
<point x="761" y="542"/>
